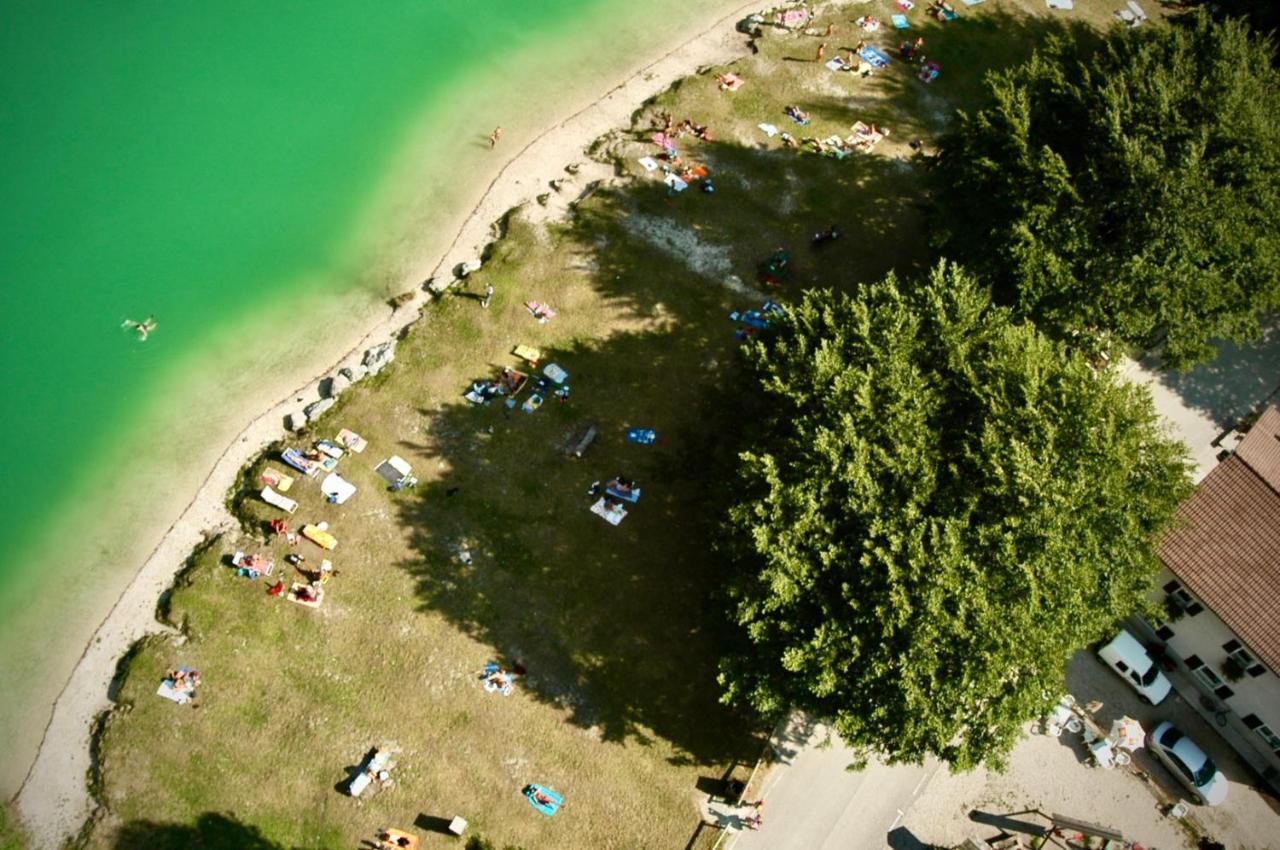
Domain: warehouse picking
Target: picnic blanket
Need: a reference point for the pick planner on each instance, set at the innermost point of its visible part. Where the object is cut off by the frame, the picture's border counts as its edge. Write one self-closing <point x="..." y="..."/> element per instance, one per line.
<point x="835" y="63"/>
<point x="612" y="514"/>
<point x="648" y="163"/>
<point x="900" y="22"/>
<point x="337" y="489"/>
<point x="396" y="471"/>
<point x="294" y="458"/>
<point x="352" y="441"/>
<point x="276" y="478"/>
<point x="876" y="58"/>
<point x="540" y="311"/>
<point x="169" y="692"/>
<point x="319" y="536"/>
<point x="868" y="23"/>
<point x="555" y="373"/>
<point x="251" y="566"/>
<point x="769" y="130"/>
<point x="533" y="792"/>
<point x="643" y="436"/>
<point x="284" y="503"/>
<point x="732" y="82"/>
<point x="675" y="182"/>
<point x="310" y="603"/>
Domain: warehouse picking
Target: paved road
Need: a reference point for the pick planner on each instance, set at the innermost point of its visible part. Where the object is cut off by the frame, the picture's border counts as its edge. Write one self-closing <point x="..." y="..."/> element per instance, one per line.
<point x="813" y="803"/>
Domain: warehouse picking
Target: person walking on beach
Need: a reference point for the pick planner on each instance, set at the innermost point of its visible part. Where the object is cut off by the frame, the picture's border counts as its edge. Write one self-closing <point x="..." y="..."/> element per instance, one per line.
<point x="494" y="136"/>
<point x="488" y="294"/>
<point x="822" y="52"/>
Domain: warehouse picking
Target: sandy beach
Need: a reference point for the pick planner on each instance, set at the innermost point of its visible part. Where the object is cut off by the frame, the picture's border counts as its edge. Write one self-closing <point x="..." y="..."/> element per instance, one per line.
<point x="54" y="800"/>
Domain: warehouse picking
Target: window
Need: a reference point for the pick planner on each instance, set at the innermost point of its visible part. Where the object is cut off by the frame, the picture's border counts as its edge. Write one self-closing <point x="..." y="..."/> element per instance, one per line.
<point x="1211" y="678"/>
<point x="1242" y="659"/>
<point x="1181" y="599"/>
<point x="1194" y="662"/>
<point x="1164" y="633"/>
<point x="1251" y="721"/>
<point x="1272" y="739"/>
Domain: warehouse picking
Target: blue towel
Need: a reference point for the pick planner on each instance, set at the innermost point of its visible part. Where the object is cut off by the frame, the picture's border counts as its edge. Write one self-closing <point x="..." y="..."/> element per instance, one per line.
<point x="900" y="22"/>
<point x="547" y="809"/>
<point x="643" y="436"/>
<point x="873" y="56"/>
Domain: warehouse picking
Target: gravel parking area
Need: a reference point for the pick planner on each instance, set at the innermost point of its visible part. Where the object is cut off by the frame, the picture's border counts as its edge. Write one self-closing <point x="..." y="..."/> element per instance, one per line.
<point x="1053" y="775"/>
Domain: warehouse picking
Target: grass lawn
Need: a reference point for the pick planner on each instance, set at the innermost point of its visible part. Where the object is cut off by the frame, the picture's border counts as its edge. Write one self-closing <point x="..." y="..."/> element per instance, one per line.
<point x="619" y="628"/>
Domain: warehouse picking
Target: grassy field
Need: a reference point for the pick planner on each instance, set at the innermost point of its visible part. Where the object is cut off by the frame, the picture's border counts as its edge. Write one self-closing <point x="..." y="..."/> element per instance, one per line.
<point x="618" y="628"/>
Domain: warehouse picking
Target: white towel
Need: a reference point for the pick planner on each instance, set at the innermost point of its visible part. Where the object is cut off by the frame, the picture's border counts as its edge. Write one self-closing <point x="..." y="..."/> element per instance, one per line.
<point x="648" y="163"/>
<point x="675" y="183"/>
<point x="1060" y="4"/>
<point x="769" y="130"/>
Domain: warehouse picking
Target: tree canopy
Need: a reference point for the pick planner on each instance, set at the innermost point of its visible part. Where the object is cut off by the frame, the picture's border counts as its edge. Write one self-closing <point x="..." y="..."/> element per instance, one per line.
<point x="944" y="506"/>
<point x="1130" y="192"/>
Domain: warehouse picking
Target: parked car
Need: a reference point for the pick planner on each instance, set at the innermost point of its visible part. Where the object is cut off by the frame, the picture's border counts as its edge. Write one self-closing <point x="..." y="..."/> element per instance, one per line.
<point x="1128" y="658"/>
<point x="1188" y="762"/>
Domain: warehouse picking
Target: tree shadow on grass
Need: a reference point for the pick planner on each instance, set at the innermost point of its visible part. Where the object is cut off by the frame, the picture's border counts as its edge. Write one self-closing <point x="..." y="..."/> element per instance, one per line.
<point x="211" y="831"/>
<point x="621" y="627"/>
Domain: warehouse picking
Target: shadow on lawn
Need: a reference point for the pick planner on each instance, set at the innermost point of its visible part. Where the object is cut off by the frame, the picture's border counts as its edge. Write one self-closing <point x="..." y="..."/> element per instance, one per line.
<point x="621" y="627"/>
<point x="211" y="831"/>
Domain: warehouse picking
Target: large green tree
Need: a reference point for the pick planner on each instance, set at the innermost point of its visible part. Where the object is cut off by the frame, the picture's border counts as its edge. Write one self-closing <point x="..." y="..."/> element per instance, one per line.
<point x="943" y="507"/>
<point x="1127" y="190"/>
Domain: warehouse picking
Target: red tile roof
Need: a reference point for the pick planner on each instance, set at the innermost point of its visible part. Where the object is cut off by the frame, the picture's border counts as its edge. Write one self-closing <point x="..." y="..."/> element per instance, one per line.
<point x="1227" y="551"/>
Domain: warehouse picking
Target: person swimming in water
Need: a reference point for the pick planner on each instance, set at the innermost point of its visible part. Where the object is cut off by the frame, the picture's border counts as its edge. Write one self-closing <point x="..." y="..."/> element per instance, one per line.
<point x="144" y="328"/>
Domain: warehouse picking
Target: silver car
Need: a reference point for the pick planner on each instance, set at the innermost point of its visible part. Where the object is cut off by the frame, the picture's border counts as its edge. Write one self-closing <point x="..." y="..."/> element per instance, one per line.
<point x="1189" y="763"/>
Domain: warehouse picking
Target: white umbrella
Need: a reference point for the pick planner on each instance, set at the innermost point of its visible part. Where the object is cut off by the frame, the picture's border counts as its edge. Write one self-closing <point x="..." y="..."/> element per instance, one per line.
<point x="1127" y="733"/>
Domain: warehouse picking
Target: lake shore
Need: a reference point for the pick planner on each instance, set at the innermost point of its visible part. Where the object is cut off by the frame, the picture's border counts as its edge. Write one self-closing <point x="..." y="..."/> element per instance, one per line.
<point x="54" y="799"/>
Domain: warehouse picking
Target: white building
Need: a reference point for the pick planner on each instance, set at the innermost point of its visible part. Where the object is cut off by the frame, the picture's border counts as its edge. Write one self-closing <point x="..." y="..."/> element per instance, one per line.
<point x="1221" y="588"/>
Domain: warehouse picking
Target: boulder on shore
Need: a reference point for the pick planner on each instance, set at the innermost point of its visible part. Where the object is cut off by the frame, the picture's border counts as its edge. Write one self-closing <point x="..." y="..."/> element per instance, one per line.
<point x="353" y="373"/>
<point x="295" y="421"/>
<point x="317" y="408"/>
<point x="332" y="386"/>
<point x="376" y="358"/>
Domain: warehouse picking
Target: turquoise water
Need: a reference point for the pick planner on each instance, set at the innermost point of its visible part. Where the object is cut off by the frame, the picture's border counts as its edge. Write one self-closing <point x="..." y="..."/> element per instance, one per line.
<point x="257" y="176"/>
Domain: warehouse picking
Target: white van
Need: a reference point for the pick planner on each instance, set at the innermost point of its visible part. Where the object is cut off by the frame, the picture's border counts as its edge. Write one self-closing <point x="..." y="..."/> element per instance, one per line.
<point x="1128" y="658"/>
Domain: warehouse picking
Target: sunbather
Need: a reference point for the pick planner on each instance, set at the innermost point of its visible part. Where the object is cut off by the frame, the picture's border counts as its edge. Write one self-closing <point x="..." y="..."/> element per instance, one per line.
<point x="542" y="799"/>
<point x="795" y="113"/>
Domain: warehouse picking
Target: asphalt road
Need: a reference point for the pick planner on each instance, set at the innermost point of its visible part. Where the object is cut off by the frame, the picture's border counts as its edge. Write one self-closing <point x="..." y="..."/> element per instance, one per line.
<point x="813" y="803"/>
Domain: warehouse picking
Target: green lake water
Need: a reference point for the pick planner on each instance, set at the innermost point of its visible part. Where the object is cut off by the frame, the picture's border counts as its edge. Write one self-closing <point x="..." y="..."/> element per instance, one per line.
<point x="239" y="171"/>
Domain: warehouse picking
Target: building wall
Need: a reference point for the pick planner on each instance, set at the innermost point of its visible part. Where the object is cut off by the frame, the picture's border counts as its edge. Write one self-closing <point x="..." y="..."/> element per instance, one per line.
<point x="1199" y="642"/>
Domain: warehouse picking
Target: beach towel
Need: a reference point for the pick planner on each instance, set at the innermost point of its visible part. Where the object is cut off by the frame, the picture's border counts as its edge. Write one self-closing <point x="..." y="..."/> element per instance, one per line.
<point x="319" y="536"/>
<point x="799" y="121"/>
<point x="169" y="692"/>
<point x="769" y="130"/>
<point x="532" y="403"/>
<point x="792" y="18"/>
<point x="642" y="436"/>
<point x="732" y="82"/>
<point x="835" y="63"/>
<point x="352" y="441"/>
<point x="1066" y="5"/>
<point x="284" y="503"/>
<point x="868" y="23"/>
<point x="648" y="163"/>
<point x="555" y="373"/>
<point x="555" y="800"/>
<point x="294" y="458"/>
<point x="612" y="514"/>
<point x="972" y="2"/>
<point x="633" y="496"/>
<point x="251" y="566"/>
<point x="948" y="15"/>
<point x="907" y="5"/>
<point x="310" y="603"/>
<point x="675" y="183"/>
<point x="754" y="318"/>
<point x="327" y="464"/>
<point x="277" y="479"/>
<point x="1137" y="10"/>
<point x="541" y="312"/>
<point x="900" y="22"/>
<point x="874" y="57"/>
<point x="337" y="489"/>
<point x="528" y="353"/>
<point x="333" y="450"/>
